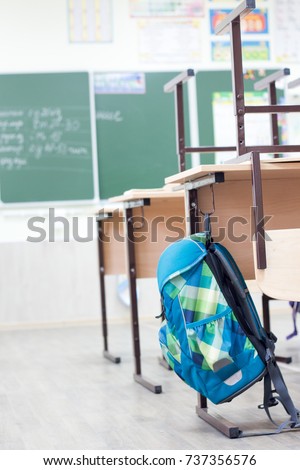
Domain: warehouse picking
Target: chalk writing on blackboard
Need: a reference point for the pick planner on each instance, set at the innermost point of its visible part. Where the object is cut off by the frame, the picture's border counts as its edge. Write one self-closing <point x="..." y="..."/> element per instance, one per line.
<point x="28" y="135"/>
<point x="115" y="116"/>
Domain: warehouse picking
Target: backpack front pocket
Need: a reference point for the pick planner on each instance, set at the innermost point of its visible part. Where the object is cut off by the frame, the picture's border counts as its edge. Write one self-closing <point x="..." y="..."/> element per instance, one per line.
<point x="217" y="342"/>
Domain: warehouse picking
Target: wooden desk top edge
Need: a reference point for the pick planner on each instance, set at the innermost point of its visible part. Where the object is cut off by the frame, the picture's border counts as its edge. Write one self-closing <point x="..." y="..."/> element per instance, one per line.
<point x="110" y="208"/>
<point x="156" y="193"/>
<point x="240" y="169"/>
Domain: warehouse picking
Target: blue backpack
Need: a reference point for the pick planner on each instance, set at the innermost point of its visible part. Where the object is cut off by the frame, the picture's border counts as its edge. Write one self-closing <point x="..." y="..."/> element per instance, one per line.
<point x="211" y="334"/>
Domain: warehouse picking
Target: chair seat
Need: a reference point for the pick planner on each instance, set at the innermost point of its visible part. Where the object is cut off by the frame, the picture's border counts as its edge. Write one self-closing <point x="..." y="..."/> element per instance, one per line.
<point x="281" y="279"/>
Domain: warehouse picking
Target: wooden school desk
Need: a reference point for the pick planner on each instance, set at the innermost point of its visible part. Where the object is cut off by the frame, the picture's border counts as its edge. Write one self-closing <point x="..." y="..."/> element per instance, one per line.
<point x="153" y="218"/>
<point x="230" y="185"/>
<point x="227" y="191"/>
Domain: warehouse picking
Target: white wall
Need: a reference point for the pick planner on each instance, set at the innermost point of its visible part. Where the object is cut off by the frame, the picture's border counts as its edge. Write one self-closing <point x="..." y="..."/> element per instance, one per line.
<point x="57" y="280"/>
<point x="34" y="37"/>
<point x="48" y="282"/>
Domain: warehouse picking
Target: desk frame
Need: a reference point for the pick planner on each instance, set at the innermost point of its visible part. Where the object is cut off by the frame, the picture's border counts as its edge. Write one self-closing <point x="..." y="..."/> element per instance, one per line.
<point x="245" y="180"/>
<point x="202" y="410"/>
<point x="129" y="245"/>
<point x="130" y="241"/>
<point x="101" y="218"/>
<point x="233" y="23"/>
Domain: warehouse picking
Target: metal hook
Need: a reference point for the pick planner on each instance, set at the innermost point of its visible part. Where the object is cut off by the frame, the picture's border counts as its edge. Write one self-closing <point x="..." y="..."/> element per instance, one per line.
<point x="213" y="202"/>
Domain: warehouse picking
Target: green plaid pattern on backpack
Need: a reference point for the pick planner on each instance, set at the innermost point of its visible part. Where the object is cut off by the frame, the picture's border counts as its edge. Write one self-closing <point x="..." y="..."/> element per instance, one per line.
<point x="201" y="338"/>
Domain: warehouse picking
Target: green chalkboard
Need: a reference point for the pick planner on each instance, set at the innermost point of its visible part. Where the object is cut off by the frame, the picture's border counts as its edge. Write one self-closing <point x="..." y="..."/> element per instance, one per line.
<point x="136" y="133"/>
<point x="45" y="138"/>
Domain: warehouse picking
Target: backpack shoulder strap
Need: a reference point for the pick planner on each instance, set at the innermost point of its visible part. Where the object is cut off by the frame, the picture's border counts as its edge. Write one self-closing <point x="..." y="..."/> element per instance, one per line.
<point x="235" y="291"/>
<point x="270" y="399"/>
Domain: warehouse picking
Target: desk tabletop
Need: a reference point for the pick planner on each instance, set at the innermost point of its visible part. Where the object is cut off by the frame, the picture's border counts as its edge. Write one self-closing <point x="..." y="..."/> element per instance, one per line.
<point x="274" y="168"/>
<point x="154" y="193"/>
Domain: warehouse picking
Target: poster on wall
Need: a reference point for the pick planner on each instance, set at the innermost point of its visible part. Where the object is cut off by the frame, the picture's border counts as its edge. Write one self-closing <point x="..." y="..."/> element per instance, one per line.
<point x="257" y="125"/>
<point x="256" y="22"/>
<point x="119" y="83"/>
<point x="255" y="36"/>
<point x="253" y="51"/>
<point x="163" y="41"/>
<point x="287" y="27"/>
<point x="90" y="21"/>
<point x="166" y="8"/>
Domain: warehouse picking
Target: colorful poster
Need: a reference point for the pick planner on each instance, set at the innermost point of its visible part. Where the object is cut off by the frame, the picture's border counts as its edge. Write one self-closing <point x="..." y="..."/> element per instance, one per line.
<point x="166" y="8"/>
<point x="119" y="83"/>
<point x="90" y="21"/>
<point x="256" y="22"/>
<point x="252" y="51"/>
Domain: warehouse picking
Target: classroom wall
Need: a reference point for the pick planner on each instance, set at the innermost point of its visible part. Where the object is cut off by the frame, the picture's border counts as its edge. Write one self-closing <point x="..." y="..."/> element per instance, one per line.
<point x="34" y="37"/>
<point x="58" y="281"/>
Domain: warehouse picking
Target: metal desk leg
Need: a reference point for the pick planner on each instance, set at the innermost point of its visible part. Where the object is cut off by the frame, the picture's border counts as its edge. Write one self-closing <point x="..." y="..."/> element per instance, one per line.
<point x="106" y="353"/>
<point x="134" y="306"/>
<point x="215" y="420"/>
